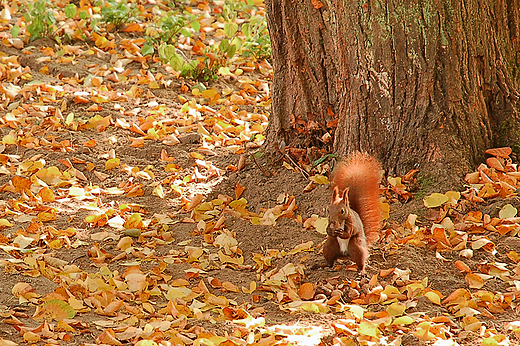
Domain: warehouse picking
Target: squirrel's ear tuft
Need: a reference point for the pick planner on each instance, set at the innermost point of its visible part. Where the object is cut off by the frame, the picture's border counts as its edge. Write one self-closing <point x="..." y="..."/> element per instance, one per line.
<point x="345" y="195"/>
<point x="335" y="194"/>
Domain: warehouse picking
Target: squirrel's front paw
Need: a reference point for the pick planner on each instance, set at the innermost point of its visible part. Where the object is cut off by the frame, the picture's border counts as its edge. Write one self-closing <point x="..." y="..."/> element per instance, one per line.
<point x="336" y="233"/>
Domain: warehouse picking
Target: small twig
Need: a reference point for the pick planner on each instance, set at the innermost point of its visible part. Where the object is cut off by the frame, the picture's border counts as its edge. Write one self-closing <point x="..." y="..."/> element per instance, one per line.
<point x="264" y="172"/>
<point x="302" y="171"/>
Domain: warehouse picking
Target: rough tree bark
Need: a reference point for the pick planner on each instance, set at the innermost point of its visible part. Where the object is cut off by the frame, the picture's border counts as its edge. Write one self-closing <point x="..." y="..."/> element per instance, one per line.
<point x="428" y="84"/>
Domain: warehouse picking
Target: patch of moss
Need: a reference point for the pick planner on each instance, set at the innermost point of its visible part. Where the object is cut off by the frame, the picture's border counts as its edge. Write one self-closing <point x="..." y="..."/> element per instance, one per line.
<point x="425" y="183"/>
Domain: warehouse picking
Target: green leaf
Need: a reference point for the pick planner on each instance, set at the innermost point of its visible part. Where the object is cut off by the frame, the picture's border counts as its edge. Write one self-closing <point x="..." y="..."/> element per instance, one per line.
<point x="230" y="29"/>
<point x="224" y="45"/>
<point x="176" y="61"/>
<point x="237" y="41"/>
<point x="15" y="31"/>
<point x="147" y="49"/>
<point x="83" y="14"/>
<point x="167" y="51"/>
<point x="70" y="10"/>
<point x="195" y="25"/>
<point x="231" y="51"/>
<point x="185" y="32"/>
<point x="246" y="29"/>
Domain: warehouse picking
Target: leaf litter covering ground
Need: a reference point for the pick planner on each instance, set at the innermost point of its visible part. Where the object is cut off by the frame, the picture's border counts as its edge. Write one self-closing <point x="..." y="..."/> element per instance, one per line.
<point x="133" y="209"/>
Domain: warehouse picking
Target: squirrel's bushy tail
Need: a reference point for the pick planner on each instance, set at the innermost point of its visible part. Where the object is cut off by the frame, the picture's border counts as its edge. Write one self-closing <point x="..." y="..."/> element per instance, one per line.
<point x="362" y="174"/>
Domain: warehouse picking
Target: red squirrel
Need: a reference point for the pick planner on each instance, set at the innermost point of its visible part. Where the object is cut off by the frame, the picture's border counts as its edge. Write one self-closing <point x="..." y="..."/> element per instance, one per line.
<point x="354" y="212"/>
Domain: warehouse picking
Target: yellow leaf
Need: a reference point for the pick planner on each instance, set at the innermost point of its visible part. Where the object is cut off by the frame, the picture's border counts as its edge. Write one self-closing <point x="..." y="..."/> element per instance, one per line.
<point x="507" y="211"/>
<point x="435" y="200"/>
<point x="489" y="342"/>
<point x="321" y="225"/>
<point x="223" y="71"/>
<point x="422" y="331"/>
<point x="134" y="221"/>
<point x="9" y="139"/>
<point x="209" y="93"/>
<point x="5" y="223"/>
<point x="513" y="256"/>
<point x="307" y="246"/>
<point x="228" y="259"/>
<point x="196" y="155"/>
<point x="158" y="191"/>
<point x="70" y="119"/>
<point x="230" y="286"/>
<point x="395" y="309"/>
<point x="112" y="163"/>
<point x="252" y="288"/>
<point x="202" y="130"/>
<point x="403" y="320"/>
<point x="177" y="292"/>
<point x="357" y="311"/>
<point x="320" y="179"/>
<point x="368" y="328"/>
<point x="385" y="210"/>
<point x="31" y="337"/>
<point x="453" y="196"/>
<point x="314" y="307"/>
<point x="433" y="297"/>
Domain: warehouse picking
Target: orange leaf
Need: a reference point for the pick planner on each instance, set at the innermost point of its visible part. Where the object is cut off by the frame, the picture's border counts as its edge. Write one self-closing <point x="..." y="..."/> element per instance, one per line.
<point x="474" y="281"/>
<point x="500" y="152"/>
<point x="21" y="184"/>
<point x="215" y="283"/>
<point x="457" y="294"/>
<point x="306" y="291"/>
<point x="137" y="129"/>
<point x="166" y="157"/>
<point x="238" y="190"/>
<point x="317" y="4"/>
<point x="94" y="108"/>
<point x="462" y="267"/>
<point x="513" y="256"/>
<point x="46" y="195"/>
<point x="109" y="337"/>
<point x="195" y="201"/>
<point x="134" y="27"/>
<point x="137" y="142"/>
<point x="79" y="99"/>
<point x="90" y="144"/>
<point x="495" y="163"/>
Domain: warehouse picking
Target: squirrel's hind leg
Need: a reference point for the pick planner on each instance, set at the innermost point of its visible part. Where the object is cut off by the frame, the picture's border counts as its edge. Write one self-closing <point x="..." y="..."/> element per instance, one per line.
<point x="358" y="251"/>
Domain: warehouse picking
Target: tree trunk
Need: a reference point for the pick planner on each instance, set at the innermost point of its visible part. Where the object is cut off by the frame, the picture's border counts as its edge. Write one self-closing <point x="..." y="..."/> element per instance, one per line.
<point x="419" y="84"/>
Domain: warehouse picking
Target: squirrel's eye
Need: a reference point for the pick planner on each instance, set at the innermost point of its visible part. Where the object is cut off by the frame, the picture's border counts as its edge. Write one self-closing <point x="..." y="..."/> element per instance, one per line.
<point x="342" y="211"/>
